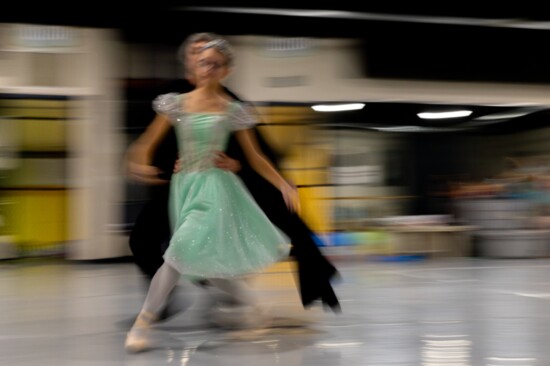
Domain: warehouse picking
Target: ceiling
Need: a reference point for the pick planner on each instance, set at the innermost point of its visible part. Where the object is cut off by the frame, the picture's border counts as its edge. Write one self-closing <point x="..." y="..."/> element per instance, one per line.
<point x="504" y="43"/>
<point x="268" y="16"/>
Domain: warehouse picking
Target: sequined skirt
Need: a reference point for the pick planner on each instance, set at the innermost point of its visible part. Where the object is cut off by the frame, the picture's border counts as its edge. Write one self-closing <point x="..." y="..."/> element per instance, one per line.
<point x="218" y="229"/>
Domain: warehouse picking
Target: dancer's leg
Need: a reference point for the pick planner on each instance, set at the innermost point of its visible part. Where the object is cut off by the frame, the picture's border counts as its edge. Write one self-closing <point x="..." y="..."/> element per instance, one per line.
<point x="237" y="289"/>
<point x="246" y="311"/>
<point x="162" y="284"/>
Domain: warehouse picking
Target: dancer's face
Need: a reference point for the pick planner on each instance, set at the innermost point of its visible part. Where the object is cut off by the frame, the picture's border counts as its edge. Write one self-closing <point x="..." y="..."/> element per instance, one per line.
<point x="211" y="66"/>
<point x="192" y="56"/>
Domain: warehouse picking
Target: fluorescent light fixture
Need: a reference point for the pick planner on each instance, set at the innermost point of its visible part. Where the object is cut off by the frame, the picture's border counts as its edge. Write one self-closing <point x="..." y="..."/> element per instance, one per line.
<point x="418" y="129"/>
<point x="504" y="116"/>
<point x="338" y="107"/>
<point x="339" y="14"/>
<point x="399" y="128"/>
<point x="508" y="115"/>
<point x="443" y="115"/>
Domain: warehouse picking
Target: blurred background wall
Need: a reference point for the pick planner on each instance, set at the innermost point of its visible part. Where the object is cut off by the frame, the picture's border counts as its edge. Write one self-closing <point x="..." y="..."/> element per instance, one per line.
<point x="73" y="98"/>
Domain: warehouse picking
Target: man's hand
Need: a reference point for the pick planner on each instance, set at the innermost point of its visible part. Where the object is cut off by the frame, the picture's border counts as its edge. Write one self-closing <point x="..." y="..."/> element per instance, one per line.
<point x="224" y="162"/>
<point x="145" y="173"/>
<point x="177" y="166"/>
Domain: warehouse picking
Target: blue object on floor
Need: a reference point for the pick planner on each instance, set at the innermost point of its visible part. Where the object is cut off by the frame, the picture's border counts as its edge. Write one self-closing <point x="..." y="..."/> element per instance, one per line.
<point x="401" y="258"/>
<point x="322" y="240"/>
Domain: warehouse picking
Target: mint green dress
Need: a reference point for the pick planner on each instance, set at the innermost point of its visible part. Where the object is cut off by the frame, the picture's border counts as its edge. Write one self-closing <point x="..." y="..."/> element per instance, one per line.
<point x="218" y="230"/>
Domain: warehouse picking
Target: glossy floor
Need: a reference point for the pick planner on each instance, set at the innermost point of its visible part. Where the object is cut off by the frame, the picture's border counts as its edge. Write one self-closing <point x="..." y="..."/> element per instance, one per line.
<point x="437" y="312"/>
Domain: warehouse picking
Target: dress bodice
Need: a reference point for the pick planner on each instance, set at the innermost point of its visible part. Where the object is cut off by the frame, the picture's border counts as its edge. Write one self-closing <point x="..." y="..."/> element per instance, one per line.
<point x="201" y="135"/>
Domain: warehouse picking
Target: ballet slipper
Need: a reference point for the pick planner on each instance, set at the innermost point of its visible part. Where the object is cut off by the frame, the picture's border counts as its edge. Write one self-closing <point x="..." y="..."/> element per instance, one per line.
<point x="138" y="339"/>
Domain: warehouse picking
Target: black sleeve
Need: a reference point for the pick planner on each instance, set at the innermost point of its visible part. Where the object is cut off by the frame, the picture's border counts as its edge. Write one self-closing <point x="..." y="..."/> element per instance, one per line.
<point x="234" y="150"/>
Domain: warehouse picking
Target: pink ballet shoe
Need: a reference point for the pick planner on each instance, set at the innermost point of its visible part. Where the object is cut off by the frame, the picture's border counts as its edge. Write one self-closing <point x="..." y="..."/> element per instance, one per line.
<point x="137" y="339"/>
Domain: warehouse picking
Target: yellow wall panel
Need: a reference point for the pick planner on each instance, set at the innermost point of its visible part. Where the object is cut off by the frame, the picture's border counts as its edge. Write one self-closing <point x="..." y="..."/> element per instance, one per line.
<point x="38" y="217"/>
<point x="315" y="211"/>
<point x="35" y="103"/>
<point x="42" y="134"/>
<point x="35" y="112"/>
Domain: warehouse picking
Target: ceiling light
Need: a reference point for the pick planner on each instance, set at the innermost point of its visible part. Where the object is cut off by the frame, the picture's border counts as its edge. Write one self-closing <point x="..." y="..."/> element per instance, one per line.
<point x="419" y="129"/>
<point x="507" y="115"/>
<point x="338" y="107"/>
<point x="340" y="14"/>
<point x="442" y="115"/>
<point x="399" y="128"/>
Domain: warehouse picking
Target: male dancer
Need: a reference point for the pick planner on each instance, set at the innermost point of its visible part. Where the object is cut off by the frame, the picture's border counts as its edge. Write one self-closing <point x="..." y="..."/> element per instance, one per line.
<point x="151" y="231"/>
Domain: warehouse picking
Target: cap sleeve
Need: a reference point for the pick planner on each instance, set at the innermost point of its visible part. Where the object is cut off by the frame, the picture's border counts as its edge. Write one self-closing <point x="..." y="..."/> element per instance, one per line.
<point x="166" y="104"/>
<point x="242" y="117"/>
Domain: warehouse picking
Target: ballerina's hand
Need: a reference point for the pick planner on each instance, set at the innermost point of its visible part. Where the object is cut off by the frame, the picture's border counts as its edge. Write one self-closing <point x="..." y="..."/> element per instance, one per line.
<point x="224" y="162"/>
<point x="145" y="173"/>
<point x="291" y="197"/>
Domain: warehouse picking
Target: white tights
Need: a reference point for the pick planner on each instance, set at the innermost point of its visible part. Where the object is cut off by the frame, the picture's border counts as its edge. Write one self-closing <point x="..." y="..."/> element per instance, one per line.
<point x="166" y="279"/>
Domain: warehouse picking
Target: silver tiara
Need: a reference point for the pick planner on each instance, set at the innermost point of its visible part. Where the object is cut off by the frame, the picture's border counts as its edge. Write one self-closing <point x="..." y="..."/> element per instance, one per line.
<point x="223" y="47"/>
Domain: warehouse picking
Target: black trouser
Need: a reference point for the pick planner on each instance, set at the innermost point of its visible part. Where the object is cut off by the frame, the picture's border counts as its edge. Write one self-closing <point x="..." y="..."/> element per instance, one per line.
<point x="314" y="269"/>
<point x="151" y="233"/>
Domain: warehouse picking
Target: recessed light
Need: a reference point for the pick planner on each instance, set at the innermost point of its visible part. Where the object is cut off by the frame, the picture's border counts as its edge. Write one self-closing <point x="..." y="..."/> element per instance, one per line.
<point x="338" y="107"/>
<point x="443" y="115"/>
